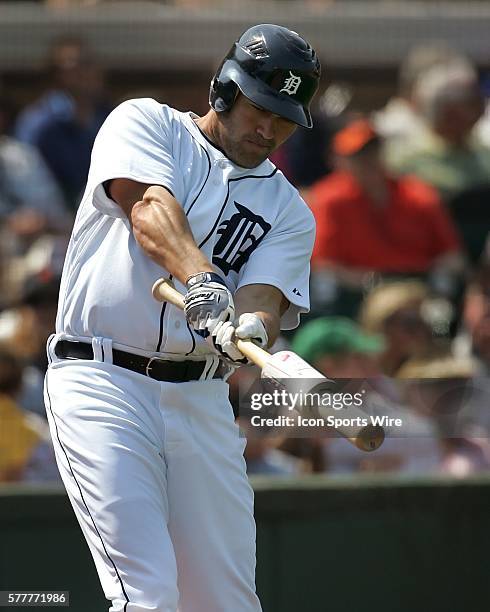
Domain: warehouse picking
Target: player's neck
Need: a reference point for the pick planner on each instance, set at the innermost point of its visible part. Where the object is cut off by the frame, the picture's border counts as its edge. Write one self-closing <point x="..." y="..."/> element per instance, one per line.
<point x="209" y="126"/>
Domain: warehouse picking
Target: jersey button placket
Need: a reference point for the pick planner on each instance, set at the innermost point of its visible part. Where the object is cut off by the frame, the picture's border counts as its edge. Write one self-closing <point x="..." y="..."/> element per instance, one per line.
<point x="220" y="165"/>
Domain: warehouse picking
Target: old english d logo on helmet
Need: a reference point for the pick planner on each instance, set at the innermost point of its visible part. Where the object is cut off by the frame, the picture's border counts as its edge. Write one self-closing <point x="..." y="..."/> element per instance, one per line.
<point x="291" y="85"/>
<point x="274" y="68"/>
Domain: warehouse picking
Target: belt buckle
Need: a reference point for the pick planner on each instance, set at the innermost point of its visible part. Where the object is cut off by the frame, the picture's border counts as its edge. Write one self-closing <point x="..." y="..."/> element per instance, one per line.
<point x="148" y="365"/>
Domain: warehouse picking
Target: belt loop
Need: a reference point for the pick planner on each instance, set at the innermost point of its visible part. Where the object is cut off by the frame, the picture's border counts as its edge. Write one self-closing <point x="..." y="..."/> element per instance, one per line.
<point x="97" y="349"/>
<point x="205" y="369"/>
<point x="50" y="346"/>
<point x="212" y="363"/>
<point x="228" y="373"/>
<point x="107" y="350"/>
<point x="102" y="348"/>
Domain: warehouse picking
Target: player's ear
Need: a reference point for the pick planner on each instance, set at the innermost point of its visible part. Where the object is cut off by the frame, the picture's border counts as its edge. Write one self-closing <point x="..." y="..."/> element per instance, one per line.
<point x="223" y="94"/>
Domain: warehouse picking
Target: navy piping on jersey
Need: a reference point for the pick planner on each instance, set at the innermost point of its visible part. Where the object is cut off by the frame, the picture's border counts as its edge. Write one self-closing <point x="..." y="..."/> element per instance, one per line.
<point x="83" y="500"/>
<point x="205" y="180"/>
<point x="213" y="144"/>
<point x="193" y="338"/>
<point x="169" y="190"/>
<point x="162" y="315"/>
<point x="233" y="180"/>
<point x="160" y="336"/>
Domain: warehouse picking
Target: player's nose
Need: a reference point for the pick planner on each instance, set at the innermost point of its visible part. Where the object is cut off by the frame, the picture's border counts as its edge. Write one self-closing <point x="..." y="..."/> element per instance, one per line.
<point x="265" y="127"/>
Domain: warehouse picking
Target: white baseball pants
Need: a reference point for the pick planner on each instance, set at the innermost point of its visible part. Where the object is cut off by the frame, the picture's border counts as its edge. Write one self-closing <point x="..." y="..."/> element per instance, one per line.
<point x="156" y="476"/>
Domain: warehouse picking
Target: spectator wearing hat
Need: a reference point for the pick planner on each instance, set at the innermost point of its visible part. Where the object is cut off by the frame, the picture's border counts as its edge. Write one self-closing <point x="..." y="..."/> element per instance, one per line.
<point x="395" y="310"/>
<point x="340" y="349"/>
<point x="369" y="222"/>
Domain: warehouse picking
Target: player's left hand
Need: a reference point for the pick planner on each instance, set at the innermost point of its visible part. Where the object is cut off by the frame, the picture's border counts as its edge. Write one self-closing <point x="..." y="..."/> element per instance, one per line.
<point x="251" y="327"/>
<point x="248" y="327"/>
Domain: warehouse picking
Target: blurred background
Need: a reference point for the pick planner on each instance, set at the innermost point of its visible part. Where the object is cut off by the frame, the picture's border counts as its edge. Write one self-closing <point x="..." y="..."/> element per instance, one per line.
<point x="397" y="173"/>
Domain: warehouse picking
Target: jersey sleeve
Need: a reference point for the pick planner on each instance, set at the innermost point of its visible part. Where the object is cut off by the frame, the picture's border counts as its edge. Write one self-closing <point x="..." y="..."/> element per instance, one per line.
<point x="282" y="260"/>
<point x="135" y="142"/>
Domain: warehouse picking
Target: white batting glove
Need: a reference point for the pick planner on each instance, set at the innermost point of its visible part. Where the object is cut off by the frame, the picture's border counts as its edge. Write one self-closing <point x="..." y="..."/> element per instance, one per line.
<point x="223" y="340"/>
<point x="249" y="327"/>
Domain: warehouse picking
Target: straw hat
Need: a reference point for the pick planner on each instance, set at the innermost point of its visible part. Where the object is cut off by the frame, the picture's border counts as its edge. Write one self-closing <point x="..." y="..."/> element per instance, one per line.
<point x="387" y="299"/>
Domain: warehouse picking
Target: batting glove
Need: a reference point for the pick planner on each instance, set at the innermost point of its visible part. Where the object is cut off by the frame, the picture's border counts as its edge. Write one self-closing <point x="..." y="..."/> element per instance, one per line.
<point x="207" y="302"/>
<point x="249" y="327"/>
<point x="223" y="340"/>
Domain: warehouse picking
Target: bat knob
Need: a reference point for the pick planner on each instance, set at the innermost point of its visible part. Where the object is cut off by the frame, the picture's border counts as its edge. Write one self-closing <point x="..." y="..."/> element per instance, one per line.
<point x="155" y="290"/>
<point x="370" y="438"/>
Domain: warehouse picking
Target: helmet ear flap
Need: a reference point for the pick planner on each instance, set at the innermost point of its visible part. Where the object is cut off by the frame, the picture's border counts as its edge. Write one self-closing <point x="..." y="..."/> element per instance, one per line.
<point x="222" y="94"/>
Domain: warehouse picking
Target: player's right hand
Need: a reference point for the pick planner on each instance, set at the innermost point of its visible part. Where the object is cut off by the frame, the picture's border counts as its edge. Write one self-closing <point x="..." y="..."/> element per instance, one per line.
<point x="223" y="340"/>
<point x="208" y="303"/>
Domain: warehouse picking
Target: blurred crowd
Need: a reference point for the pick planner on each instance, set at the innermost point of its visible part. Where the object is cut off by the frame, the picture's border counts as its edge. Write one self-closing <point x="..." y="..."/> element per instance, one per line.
<point x="400" y="284"/>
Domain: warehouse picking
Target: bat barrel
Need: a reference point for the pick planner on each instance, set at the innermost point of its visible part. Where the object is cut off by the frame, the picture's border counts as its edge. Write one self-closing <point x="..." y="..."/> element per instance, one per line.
<point x="355" y="427"/>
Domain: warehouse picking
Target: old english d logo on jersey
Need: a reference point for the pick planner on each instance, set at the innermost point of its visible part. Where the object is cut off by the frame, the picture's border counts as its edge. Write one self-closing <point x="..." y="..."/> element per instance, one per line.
<point x="239" y="237"/>
<point x="291" y="84"/>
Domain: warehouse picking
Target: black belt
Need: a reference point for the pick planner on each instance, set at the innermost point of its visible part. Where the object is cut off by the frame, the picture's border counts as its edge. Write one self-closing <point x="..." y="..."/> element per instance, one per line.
<point x="169" y="371"/>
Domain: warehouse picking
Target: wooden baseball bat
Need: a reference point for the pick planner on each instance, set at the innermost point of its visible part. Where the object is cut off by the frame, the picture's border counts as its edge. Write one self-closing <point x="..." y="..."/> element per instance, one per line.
<point x="364" y="437"/>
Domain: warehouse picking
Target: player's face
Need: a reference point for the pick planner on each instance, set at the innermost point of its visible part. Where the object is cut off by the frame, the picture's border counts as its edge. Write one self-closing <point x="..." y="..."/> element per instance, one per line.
<point x="249" y="134"/>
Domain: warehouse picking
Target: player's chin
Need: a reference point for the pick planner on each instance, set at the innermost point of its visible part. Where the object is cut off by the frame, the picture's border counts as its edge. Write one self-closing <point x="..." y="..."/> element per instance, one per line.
<point x="252" y="159"/>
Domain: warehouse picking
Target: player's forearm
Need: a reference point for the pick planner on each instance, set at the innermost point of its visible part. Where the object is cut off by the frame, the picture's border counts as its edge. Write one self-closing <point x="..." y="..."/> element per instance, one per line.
<point x="162" y="230"/>
<point x="271" y="323"/>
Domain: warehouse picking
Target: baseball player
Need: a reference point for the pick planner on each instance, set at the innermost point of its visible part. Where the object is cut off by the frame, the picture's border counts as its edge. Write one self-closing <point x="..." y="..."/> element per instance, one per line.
<point x="135" y="392"/>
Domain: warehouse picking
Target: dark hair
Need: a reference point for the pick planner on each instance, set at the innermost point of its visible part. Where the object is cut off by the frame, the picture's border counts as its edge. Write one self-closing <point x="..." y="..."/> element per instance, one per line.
<point x="52" y="62"/>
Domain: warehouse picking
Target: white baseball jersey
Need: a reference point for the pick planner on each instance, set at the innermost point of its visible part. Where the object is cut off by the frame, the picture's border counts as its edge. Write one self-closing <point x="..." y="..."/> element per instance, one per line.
<point x="251" y="223"/>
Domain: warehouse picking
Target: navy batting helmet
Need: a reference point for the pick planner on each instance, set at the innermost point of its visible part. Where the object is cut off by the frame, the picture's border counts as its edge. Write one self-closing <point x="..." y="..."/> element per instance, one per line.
<point x="274" y="68"/>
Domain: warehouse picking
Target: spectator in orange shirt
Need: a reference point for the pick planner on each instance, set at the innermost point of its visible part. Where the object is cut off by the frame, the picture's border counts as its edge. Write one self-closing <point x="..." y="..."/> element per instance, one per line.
<point x="370" y="222"/>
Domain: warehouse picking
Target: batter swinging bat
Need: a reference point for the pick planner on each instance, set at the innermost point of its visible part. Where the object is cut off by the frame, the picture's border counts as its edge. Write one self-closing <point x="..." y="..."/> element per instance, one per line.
<point x="287" y="366"/>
